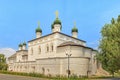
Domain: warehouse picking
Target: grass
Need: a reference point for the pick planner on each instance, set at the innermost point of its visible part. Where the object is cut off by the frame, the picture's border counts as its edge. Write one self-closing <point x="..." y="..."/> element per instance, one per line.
<point x="24" y="74"/>
<point x="43" y="76"/>
<point x="73" y="77"/>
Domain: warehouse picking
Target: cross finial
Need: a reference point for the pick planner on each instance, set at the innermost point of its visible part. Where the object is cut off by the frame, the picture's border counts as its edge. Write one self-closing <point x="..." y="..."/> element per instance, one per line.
<point x="74" y="23"/>
<point x="56" y="13"/>
<point x="38" y="23"/>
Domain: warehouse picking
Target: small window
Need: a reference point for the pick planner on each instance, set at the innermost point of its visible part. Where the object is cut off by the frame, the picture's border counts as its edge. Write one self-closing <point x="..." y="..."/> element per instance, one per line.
<point x="52" y="48"/>
<point x="31" y="50"/>
<point x="39" y="50"/>
<point x="47" y="48"/>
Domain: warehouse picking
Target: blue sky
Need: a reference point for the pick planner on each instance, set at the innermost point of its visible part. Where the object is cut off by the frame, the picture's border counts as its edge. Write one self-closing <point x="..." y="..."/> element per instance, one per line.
<point x="18" y="18"/>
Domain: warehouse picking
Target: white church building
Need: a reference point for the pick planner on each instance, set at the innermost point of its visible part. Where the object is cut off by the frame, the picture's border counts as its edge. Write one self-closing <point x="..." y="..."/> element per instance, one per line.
<point x="55" y="54"/>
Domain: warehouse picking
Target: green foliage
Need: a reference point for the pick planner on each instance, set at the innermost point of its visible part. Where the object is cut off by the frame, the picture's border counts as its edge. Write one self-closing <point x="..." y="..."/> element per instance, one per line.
<point x="23" y="74"/>
<point x="57" y="77"/>
<point x="110" y="46"/>
<point x="3" y="65"/>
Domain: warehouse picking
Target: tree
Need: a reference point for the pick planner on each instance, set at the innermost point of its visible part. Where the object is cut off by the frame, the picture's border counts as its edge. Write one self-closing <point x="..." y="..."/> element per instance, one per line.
<point x="110" y="46"/>
<point x="3" y="65"/>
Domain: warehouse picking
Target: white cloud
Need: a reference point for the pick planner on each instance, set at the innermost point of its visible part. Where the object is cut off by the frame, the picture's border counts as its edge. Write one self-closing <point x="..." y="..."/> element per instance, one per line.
<point x="7" y="51"/>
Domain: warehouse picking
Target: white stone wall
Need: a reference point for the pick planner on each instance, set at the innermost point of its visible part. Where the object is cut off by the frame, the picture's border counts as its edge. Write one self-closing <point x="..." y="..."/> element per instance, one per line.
<point x="43" y="44"/>
<point x="80" y="52"/>
<point x="38" y="34"/>
<point x="94" y="63"/>
<point x="55" y="39"/>
<point x="54" y="66"/>
<point x="76" y="51"/>
<point x="19" y="55"/>
<point x="78" y="66"/>
<point x="59" y="66"/>
<point x="53" y="61"/>
<point x="75" y="34"/>
<point x="49" y="66"/>
<point x="67" y="38"/>
<point x="57" y="28"/>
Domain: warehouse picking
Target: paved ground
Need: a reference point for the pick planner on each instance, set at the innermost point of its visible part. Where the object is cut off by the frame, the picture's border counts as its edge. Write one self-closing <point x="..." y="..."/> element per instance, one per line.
<point x="14" y="77"/>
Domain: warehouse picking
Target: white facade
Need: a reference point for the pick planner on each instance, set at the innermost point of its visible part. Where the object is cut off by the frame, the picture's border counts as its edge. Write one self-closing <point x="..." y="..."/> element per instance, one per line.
<point x="38" y="34"/>
<point x="47" y="55"/>
<point x="75" y="34"/>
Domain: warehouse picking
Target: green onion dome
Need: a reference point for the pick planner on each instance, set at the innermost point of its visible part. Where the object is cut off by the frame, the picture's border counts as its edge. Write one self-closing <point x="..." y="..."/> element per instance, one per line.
<point x="20" y="45"/>
<point x="38" y="29"/>
<point x="24" y="43"/>
<point x="52" y="26"/>
<point x="57" y="21"/>
<point x="74" y="29"/>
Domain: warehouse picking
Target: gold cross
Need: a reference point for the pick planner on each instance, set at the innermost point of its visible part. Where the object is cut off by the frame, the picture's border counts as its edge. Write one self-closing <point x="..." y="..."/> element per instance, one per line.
<point x="74" y="23"/>
<point x="38" y="23"/>
<point x="56" y="13"/>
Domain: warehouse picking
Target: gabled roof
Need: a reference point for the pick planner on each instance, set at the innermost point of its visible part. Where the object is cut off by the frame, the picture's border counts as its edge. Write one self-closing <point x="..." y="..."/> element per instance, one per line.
<point x="22" y="50"/>
<point x="67" y="43"/>
<point x="59" y="33"/>
<point x="70" y="43"/>
<point x="12" y="56"/>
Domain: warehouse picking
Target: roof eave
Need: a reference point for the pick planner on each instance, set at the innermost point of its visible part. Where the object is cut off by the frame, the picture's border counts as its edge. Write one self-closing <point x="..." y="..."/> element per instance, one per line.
<point x="54" y="33"/>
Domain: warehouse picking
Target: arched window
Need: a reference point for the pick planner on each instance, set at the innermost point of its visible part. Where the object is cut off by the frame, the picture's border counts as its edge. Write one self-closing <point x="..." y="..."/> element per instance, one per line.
<point x="39" y="49"/>
<point x="31" y="51"/>
<point x="52" y="48"/>
<point x="47" y="48"/>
